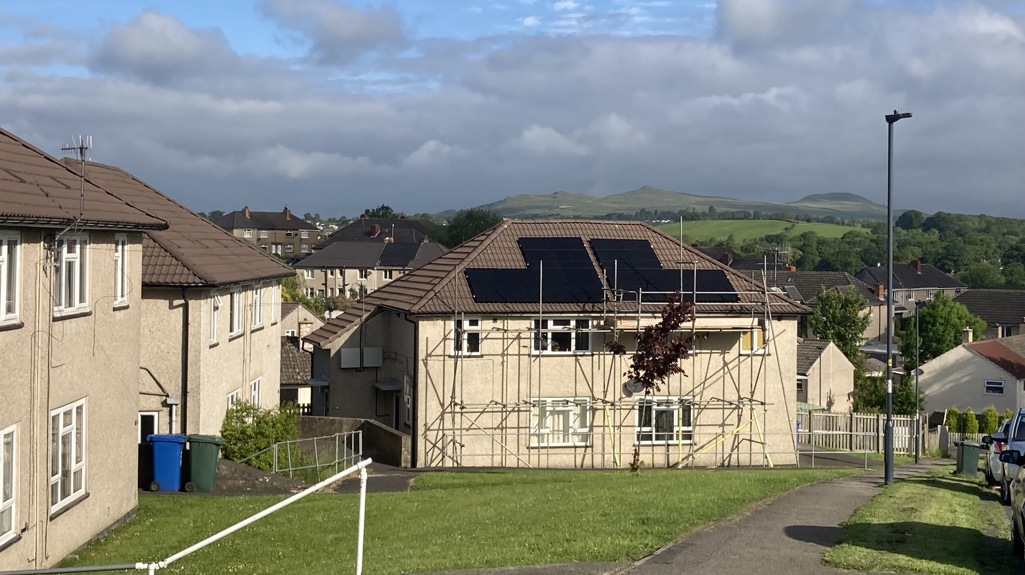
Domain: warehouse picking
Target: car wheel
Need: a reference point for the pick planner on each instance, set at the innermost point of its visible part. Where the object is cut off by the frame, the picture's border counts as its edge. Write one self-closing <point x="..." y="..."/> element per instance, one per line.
<point x="1017" y="545"/>
<point x="1005" y="492"/>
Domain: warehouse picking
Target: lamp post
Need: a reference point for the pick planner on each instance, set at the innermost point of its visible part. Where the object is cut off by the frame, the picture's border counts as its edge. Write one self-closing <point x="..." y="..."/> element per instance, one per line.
<point x="891" y="119"/>
<point x="918" y="371"/>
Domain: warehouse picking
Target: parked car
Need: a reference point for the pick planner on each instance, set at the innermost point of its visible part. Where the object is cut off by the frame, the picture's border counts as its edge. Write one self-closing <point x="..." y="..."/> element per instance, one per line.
<point x="1013" y="457"/>
<point x="994" y="468"/>
<point x="1015" y="441"/>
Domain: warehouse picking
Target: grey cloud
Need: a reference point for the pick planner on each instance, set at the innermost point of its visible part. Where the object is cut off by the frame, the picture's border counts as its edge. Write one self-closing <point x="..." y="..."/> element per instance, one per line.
<point x="338" y="33"/>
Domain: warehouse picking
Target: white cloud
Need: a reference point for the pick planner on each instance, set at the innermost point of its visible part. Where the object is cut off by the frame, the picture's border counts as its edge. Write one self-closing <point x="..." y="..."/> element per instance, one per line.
<point x="531" y="21"/>
<point x="545" y="140"/>
<point x="431" y="154"/>
<point x="565" y="5"/>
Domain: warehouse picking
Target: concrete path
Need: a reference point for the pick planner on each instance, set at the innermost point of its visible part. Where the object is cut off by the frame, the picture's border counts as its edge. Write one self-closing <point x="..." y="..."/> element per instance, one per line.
<point x="789" y="534"/>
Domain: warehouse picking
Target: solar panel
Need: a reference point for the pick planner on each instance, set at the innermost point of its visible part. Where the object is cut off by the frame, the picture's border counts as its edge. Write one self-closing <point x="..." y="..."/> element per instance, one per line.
<point x="521" y="286"/>
<point x="633" y="265"/>
<point x="636" y="254"/>
<point x="557" y="253"/>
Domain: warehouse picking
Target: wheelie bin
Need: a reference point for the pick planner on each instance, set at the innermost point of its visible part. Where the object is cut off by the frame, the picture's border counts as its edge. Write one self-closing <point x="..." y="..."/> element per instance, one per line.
<point x="203" y="454"/>
<point x="167" y="461"/>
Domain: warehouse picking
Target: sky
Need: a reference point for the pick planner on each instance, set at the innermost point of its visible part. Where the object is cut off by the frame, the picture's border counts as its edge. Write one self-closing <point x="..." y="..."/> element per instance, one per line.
<point x="332" y="107"/>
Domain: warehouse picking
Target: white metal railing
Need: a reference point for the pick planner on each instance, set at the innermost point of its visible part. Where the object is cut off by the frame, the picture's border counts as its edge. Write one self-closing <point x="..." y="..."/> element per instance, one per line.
<point x="152" y="567"/>
<point x="309" y="458"/>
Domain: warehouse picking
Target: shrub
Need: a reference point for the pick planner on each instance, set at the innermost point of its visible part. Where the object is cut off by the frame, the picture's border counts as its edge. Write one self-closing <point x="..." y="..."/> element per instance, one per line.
<point x="990" y="420"/>
<point x="1008" y="413"/>
<point x="953" y="420"/>
<point x="249" y="429"/>
<point x="969" y="421"/>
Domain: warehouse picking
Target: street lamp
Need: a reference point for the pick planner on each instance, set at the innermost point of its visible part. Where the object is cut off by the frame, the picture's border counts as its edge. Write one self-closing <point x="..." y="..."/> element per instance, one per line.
<point x="891" y="119"/>
<point x="918" y="371"/>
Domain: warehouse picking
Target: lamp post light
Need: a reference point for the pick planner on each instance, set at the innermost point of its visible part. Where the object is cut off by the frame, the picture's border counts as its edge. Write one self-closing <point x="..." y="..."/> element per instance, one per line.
<point x="891" y="119"/>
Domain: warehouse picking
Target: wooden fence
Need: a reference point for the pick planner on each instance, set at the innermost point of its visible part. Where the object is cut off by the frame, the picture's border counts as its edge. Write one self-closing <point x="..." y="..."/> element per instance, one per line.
<point x="858" y="432"/>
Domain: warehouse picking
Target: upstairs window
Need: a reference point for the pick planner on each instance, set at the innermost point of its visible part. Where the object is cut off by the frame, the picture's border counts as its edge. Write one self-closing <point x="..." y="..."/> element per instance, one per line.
<point x="569" y="335"/>
<point x="215" y="305"/>
<point x="235" y="312"/>
<point x="71" y="274"/>
<point x="247" y="233"/>
<point x="304" y="234"/>
<point x="257" y="314"/>
<point x="289" y="234"/>
<point x="263" y="233"/>
<point x="752" y="341"/>
<point x="389" y="274"/>
<point x="9" y="262"/>
<point x="120" y="270"/>
<point x="466" y="336"/>
<point x="994" y="387"/>
<point x="304" y="248"/>
<point x="364" y="274"/>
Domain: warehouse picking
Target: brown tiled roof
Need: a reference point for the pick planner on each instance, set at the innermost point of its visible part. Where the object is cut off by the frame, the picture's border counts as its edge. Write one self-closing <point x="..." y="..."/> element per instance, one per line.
<point x="39" y="190"/>
<point x="807" y="283"/>
<point x="995" y="306"/>
<point x="296" y="364"/>
<point x="1006" y="353"/>
<point x="191" y="251"/>
<point x="440" y="287"/>
<point x="808" y="352"/>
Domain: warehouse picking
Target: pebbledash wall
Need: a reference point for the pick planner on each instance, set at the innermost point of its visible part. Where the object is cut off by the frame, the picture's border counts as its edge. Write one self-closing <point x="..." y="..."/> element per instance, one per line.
<point x="82" y="367"/>
<point x="483" y="409"/>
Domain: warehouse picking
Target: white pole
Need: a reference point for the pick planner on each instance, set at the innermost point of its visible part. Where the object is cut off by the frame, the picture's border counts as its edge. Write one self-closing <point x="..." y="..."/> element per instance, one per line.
<point x="362" y="514"/>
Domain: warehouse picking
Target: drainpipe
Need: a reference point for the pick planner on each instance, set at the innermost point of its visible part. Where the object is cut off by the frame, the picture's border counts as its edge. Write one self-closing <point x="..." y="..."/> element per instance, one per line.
<point x="185" y="362"/>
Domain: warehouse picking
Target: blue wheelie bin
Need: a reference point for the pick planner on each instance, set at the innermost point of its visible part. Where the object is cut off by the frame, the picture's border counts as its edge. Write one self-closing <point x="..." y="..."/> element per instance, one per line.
<point x="167" y="461"/>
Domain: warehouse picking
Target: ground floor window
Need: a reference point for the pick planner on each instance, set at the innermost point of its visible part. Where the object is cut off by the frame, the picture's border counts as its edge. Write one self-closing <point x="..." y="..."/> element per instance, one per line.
<point x="664" y="420"/>
<point x="234" y="397"/>
<point x="254" y="391"/>
<point x="558" y="422"/>
<point x="67" y="454"/>
<point x="7" y="489"/>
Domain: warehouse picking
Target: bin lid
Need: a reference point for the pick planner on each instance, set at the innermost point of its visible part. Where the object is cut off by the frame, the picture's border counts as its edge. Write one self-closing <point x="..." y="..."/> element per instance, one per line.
<point x="168" y="437"/>
<point x="199" y="438"/>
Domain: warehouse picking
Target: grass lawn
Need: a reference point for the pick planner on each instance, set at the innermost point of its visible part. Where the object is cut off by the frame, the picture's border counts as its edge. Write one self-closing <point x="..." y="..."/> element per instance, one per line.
<point x="937" y="524"/>
<point x="448" y="521"/>
<point x="706" y="230"/>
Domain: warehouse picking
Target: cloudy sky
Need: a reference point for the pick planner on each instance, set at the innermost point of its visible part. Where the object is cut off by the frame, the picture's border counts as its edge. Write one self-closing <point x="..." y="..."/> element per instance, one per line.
<point x="332" y="107"/>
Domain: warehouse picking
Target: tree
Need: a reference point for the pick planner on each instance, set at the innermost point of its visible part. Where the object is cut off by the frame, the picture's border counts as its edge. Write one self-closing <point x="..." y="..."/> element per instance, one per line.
<point x="910" y="220"/>
<point x="969" y="422"/>
<point x="293" y="290"/>
<point x="467" y="224"/>
<point x="942" y="322"/>
<point x="839" y="317"/>
<point x="381" y="211"/>
<point x="952" y="419"/>
<point x="990" y="420"/>
<point x="982" y="275"/>
<point x="1008" y="413"/>
<point x="1014" y="275"/>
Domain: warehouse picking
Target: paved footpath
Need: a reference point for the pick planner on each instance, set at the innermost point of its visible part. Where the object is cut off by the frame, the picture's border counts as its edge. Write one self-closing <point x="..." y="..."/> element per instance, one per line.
<point x="790" y="534"/>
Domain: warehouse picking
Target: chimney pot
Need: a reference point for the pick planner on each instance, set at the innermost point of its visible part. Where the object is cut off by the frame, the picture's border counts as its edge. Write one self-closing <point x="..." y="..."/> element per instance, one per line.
<point x="245" y="211"/>
<point x="967" y="335"/>
<point x="917" y="264"/>
<point x="375" y="229"/>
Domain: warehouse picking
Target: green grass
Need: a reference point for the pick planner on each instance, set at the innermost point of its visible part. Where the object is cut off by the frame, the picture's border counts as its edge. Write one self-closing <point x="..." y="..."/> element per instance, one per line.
<point x="705" y="231"/>
<point x="938" y="524"/>
<point x="448" y="521"/>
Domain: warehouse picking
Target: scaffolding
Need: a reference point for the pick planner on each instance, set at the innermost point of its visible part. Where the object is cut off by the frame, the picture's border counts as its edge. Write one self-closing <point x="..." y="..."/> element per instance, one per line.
<point x="717" y="415"/>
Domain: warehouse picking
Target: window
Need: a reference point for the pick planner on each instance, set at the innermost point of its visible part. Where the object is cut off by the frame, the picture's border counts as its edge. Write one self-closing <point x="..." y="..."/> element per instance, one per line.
<point x="234" y="397"/>
<point x="275" y="249"/>
<point x="71" y="275"/>
<point x="802" y="382"/>
<point x="289" y="248"/>
<point x="254" y="391"/>
<point x="364" y="274"/>
<point x="263" y="247"/>
<point x="664" y="420"/>
<point x="120" y="270"/>
<point x="308" y="273"/>
<point x="67" y="454"/>
<point x="389" y="274"/>
<point x="290" y="333"/>
<point x="562" y="335"/>
<point x="149" y="424"/>
<point x="466" y="336"/>
<point x="309" y="292"/>
<point x="752" y="341"/>
<point x="330" y="292"/>
<point x="1004" y="331"/>
<point x="289" y="234"/>
<point x="7" y="488"/>
<point x="994" y="387"/>
<point x="304" y="234"/>
<point x="215" y="304"/>
<point x="304" y="248"/>
<point x="560" y="422"/>
<point x="9" y="277"/>
<point x="409" y="409"/>
<point x="330" y="273"/>
<point x="247" y="233"/>
<point x="257" y="313"/>
<point x="235" y="312"/>
<point x="263" y="233"/>
<point x="275" y="293"/>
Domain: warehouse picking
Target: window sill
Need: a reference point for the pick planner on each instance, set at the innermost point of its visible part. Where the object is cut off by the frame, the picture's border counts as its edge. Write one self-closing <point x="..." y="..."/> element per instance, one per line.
<point x="236" y="335"/>
<point x="121" y="306"/>
<point x="214" y="344"/>
<point x="557" y="445"/>
<point x="255" y="328"/>
<point x="63" y="315"/>
<point x="666" y="442"/>
<point x="536" y="353"/>
<point x="11" y="325"/>
<point x="466" y="355"/>
<point x="4" y="544"/>
<point x="69" y="506"/>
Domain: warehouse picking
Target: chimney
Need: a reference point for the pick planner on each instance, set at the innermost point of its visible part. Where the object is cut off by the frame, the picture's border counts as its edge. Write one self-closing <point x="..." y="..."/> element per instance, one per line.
<point x="375" y="230"/>
<point x="727" y="258"/>
<point x="288" y="213"/>
<point x="880" y="291"/>
<point x="967" y="336"/>
<point x="917" y="264"/>
<point x="245" y="211"/>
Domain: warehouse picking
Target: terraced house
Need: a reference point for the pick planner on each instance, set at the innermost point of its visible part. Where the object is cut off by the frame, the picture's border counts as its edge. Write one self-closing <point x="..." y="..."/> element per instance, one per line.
<point x="70" y="317"/>
<point x="497" y="354"/>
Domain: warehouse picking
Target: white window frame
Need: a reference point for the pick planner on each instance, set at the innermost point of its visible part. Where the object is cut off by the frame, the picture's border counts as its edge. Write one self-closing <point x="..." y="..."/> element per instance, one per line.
<point x="234" y="397"/>
<point x="68" y="421"/>
<point x="304" y="248"/>
<point x="235" y="323"/>
<point x="10" y="276"/>
<point x="389" y="274"/>
<point x="574" y="414"/>
<point x="156" y="423"/>
<point x="275" y="249"/>
<point x="802" y="383"/>
<point x="254" y="391"/>
<point x="310" y="292"/>
<point x="248" y="233"/>
<point x="650" y="435"/>
<point x="554" y="329"/>
<point x="8" y="484"/>
<point x="757" y="336"/>
<point x="78" y="298"/>
<point x="466" y="335"/>
<point x="308" y="273"/>
<point x="215" y="306"/>
<point x="364" y="273"/>
<point x="993" y="387"/>
<point x="304" y="234"/>
<point x="289" y="234"/>
<point x="289" y="248"/>
<point x="120" y="270"/>
<point x="263" y="233"/>
<point x="275" y="293"/>
<point x="257" y="311"/>
<point x="1003" y="331"/>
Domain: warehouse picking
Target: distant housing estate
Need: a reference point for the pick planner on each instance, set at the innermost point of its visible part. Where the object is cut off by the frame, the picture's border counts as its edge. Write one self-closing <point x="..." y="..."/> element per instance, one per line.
<point x="278" y="233"/>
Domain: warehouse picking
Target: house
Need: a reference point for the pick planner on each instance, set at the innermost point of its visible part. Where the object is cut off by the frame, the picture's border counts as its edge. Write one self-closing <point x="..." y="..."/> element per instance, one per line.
<point x="211" y="309"/>
<point x="296" y="370"/>
<point x="976" y="374"/>
<point x="498" y="354"/>
<point x="281" y="233"/>
<point x="297" y="321"/>
<point x="70" y="317"/>
<point x="825" y="377"/>
<point x="389" y="230"/>
<point x="913" y="282"/>
<point x="1003" y="310"/>
<point x="351" y="269"/>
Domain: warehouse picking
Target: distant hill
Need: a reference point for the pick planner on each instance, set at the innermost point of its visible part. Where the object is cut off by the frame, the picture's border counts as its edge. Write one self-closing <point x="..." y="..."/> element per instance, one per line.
<point x="576" y="205"/>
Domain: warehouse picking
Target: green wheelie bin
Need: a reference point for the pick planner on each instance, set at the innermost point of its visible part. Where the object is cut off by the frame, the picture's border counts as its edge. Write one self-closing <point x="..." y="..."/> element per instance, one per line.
<point x="204" y="451"/>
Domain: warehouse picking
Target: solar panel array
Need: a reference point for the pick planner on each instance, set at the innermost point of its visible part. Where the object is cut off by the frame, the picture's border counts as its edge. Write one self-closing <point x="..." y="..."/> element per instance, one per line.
<point x="562" y="271"/>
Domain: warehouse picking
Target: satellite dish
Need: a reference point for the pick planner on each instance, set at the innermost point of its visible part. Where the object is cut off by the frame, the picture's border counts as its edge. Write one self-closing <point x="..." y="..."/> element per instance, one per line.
<point x="632" y="386"/>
